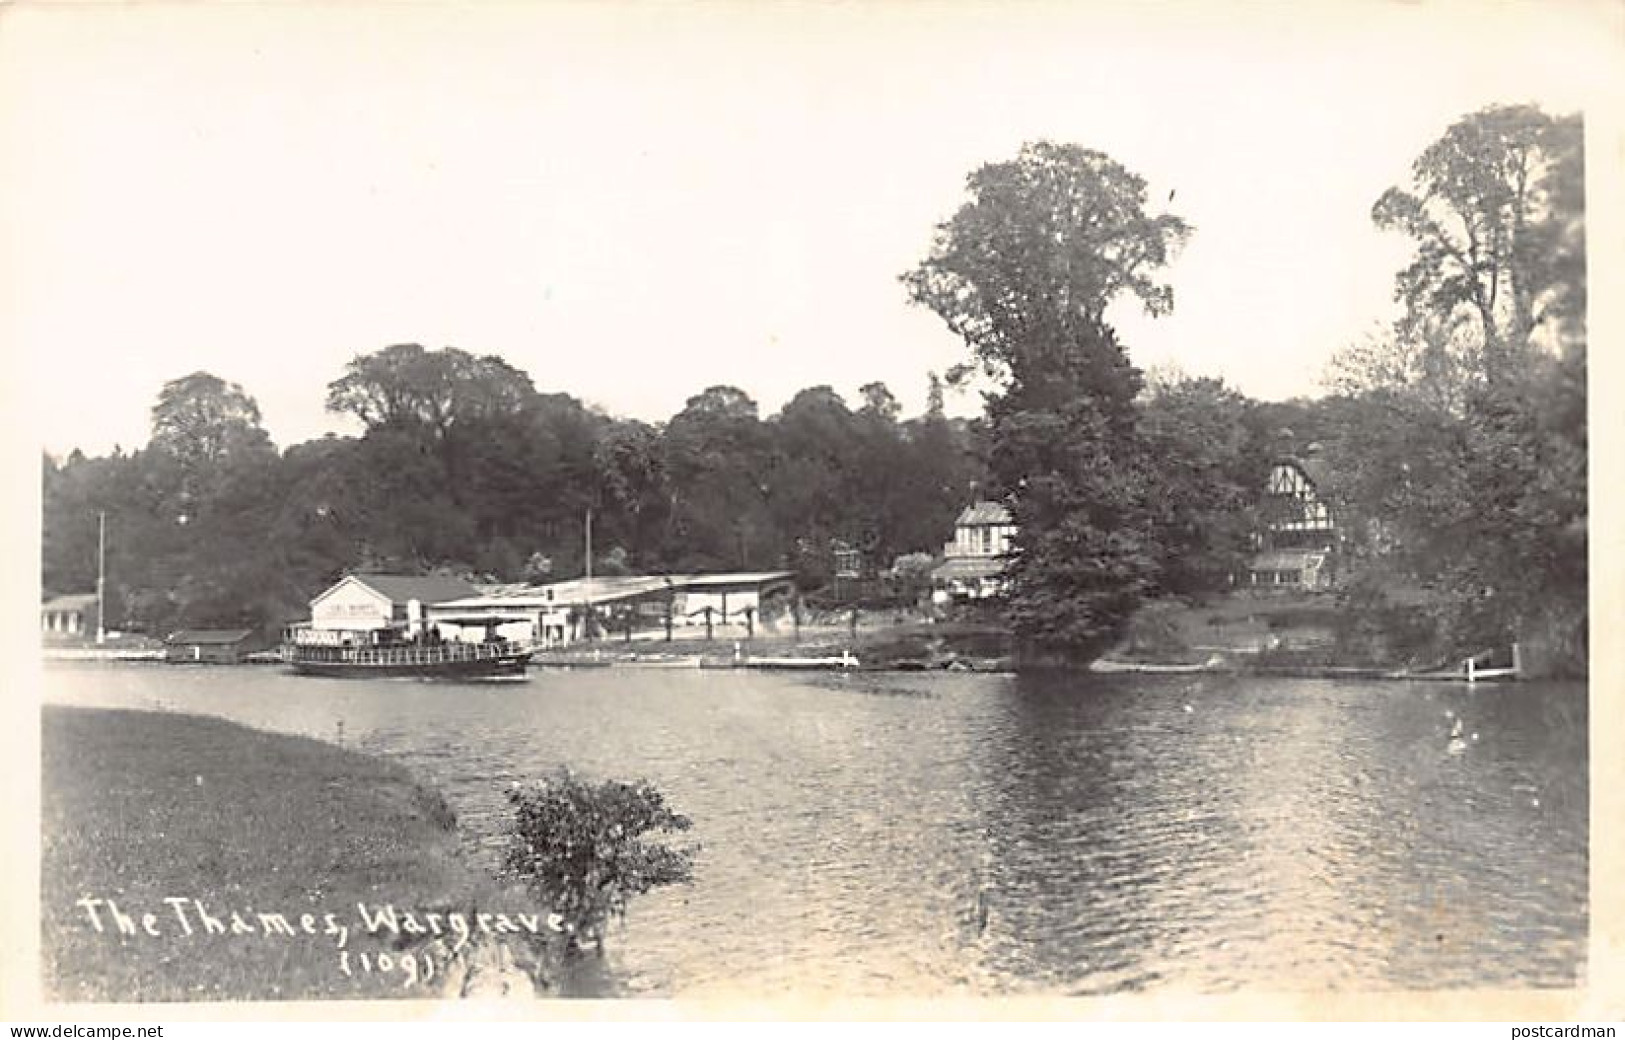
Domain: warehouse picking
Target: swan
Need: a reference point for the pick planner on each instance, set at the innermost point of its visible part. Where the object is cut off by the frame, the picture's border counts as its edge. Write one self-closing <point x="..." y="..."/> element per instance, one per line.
<point x="1457" y="745"/>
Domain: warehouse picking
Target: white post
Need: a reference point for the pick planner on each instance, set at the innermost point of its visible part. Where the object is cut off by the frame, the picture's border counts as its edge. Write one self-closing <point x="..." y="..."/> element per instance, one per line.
<point x="1472" y="670"/>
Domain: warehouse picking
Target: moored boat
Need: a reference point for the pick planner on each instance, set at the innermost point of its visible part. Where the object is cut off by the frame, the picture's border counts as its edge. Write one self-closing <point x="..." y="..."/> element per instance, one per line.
<point x="449" y="660"/>
<point x="846" y="660"/>
<point x="1110" y="666"/>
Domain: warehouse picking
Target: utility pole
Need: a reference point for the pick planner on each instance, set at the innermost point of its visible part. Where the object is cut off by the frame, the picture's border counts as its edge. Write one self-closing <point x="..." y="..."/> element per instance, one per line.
<point x="101" y="577"/>
<point x="671" y="605"/>
<point x="587" y="587"/>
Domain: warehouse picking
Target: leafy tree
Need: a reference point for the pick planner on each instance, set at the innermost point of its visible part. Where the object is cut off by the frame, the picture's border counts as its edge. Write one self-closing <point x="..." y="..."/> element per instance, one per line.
<point x="490" y="471"/>
<point x="1024" y="273"/>
<point x="635" y="490"/>
<point x="911" y="573"/>
<point x="812" y="479"/>
<point x="1207" y="472"/>
<point x="1085" y="546"/>
<point x="403" y="497"/>
<point x="1509" y="552"/>
<point x="942" y="463"/>
<point x="717" y="457"/>
<point x="205" y="425"/>
<point x="406" y="385"/>
<point x="1493" y="209"/>
<point x="879" y="402"/>
<point x="201" y="420"/>
<point x="1437" y="362"/>
<point x="1461" y="442"/>
<point x="582" y="849"/>
<point x="1031" y="263"/>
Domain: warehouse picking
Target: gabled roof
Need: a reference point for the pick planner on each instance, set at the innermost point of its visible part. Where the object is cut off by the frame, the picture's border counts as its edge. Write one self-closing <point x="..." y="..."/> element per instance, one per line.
<point x="209" y="636"/>
<point x="73" y="601"/>
<point x="425" y="588"/>
<point x="983" y="512"/>
<point x="1313" y="467"/>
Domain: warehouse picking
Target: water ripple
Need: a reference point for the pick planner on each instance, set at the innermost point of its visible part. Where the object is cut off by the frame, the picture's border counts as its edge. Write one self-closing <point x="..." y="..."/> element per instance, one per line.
<point x="987" y="835"/>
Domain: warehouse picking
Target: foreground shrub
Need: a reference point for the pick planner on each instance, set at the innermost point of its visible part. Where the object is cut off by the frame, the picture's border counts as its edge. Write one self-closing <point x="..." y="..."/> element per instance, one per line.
<point x="580" y="848"/>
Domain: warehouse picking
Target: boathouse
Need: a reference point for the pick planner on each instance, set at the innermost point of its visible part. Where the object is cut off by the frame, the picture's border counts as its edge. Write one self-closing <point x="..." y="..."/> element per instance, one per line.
<point x="555" y="614"/>
<point x="730" y="597"/>
<point x="207" y="646"/>
<point x="973" y="563"/>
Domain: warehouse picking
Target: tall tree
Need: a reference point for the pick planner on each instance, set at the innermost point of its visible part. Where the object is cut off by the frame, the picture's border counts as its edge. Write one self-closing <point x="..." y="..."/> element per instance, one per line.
<point x="203" y="422"/>
<point x="406" y="385"/>
<point x="816" y="449"/>
<point x="880" y="500"/>
<point x="636" y="492"/>
<point x="717" y="456"/>
<point x="1438" y="362"/>
<point x="1024" y="273"/>
<point x="1461" y="443"/>
<point x="1492" y="207"/>
<point x="879" y="402"/>
<point x="1208" y="471"/>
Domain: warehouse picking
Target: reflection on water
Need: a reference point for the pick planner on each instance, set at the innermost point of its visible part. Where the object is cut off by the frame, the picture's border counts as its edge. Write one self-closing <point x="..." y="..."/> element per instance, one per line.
<point x="913" y="834"/>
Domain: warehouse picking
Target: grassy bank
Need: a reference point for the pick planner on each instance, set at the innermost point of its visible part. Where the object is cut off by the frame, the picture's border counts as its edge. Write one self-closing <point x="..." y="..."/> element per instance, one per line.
<point x="183" y="821"/>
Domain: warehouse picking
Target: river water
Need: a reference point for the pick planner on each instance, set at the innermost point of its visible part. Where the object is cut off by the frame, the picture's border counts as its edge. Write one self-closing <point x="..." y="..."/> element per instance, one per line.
<point x="986" y="835"/>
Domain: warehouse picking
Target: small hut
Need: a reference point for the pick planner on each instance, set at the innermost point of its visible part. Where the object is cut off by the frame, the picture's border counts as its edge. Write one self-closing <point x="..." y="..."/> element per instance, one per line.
<point x="207" y="646"/>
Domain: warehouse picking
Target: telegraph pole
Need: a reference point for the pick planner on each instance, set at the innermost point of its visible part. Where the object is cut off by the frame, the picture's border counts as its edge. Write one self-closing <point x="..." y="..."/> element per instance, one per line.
<point x="101" y="577"/>
<point x="587" y="586"/>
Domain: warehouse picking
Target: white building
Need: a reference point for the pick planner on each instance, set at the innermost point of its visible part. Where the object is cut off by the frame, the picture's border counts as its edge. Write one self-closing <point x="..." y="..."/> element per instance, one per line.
<point x="371" y="603"/>
<point x="973" y="565"/>
<point x="555" y="614"/>
<point x="69" y="616"/>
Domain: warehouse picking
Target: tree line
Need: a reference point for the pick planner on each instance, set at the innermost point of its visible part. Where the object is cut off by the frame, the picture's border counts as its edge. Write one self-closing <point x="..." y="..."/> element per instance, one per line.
<point x="1455" y="438"/>
<point x="465" y="467"/>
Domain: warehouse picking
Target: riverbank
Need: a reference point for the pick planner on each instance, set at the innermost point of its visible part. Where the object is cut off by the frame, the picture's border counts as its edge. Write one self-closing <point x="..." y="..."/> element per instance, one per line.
<point x="187" y="858"/>
<point x="912" y="645"/>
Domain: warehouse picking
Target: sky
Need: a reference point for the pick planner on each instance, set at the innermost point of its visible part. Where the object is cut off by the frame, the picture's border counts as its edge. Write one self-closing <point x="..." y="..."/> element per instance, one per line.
<point x="635" y="202"/>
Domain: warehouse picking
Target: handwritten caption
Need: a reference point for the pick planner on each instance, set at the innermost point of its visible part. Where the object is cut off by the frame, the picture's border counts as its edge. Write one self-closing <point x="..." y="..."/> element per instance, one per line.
<point x="451" y="932"/>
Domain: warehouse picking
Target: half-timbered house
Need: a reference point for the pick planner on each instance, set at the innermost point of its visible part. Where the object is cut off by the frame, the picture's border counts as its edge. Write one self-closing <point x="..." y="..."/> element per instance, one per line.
<point x="1298" y="537"/>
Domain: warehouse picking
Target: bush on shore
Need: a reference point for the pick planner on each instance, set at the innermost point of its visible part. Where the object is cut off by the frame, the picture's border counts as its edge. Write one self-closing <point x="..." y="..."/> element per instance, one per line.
<point x="580" y="848"/>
